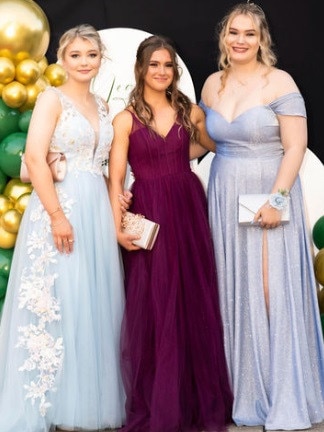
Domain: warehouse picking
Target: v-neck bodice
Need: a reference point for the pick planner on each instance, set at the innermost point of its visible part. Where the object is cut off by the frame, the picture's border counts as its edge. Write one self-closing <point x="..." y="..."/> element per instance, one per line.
<point x="152" y="155"/>
<point x="85" y="148"/>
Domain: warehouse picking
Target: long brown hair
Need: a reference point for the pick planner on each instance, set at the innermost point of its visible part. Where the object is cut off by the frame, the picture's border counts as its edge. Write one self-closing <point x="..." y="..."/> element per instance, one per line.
<point x="179" y="101"/>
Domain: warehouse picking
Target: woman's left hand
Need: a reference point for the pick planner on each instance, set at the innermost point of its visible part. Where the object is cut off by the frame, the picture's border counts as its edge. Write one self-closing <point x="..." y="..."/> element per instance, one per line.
<point x="125" y="200"/>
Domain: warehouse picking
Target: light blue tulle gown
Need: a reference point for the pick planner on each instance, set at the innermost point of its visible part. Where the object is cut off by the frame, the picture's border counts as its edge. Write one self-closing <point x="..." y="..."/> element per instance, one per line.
<point x="276" y="361"/>
<point x="60" y="328"/>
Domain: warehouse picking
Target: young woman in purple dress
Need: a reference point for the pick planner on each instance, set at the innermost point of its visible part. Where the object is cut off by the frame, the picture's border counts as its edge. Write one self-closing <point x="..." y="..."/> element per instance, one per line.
<point x="173" y="360"/>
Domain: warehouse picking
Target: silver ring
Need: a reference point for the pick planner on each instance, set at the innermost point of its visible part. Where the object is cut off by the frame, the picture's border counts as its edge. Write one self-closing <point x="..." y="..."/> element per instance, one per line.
<point x="71" y="241"/>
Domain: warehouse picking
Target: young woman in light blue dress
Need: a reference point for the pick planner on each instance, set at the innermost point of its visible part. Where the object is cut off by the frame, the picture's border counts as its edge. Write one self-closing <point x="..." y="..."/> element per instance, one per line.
<point x="59" y="333"/>
<point x="273" y="337"/>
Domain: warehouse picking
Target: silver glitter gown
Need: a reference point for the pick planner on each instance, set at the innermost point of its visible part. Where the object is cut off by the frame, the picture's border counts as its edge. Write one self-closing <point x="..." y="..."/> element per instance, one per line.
<point x="276" y="362"/>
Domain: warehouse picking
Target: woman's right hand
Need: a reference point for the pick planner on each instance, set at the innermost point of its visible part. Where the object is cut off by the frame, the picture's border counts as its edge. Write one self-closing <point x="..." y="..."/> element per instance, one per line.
<point x="63" y="235"/>
<point x="126" y="241"/>
<point x="268" y="217"/>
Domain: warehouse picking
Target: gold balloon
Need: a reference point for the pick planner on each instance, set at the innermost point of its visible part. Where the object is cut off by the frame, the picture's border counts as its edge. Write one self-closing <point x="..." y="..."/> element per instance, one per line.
<point x="32" y="92"/>
<point x="1" y="88"/>
<point x="319" y="267"/>
<point x="7" y="70"/>
<point x="22" y="55"/>
<point x="28" y="71"/>
<point x="320" y="297"/>
<point x="14" y="94"/>
<point x="55" y="74"/>
<point x="42" y="82"/>
<point x="5" y="52"/>
<point x="10" y="221"/>
<point x="24" y="27"/>
<point x="22" y="202"/>
<point x="7" y="239"/>
<point x="5" y="204"/>
<point x="15" y="188"/>
<point x="43" y="63"/>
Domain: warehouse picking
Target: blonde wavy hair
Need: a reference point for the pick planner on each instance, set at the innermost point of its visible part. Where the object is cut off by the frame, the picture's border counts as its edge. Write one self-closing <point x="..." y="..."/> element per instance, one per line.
<point x="83" y="31"/>
<point x="265" y="55"/>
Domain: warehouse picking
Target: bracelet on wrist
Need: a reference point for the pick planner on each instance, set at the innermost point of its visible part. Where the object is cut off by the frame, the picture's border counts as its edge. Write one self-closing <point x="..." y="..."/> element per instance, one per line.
<point x="58" y="223"/>
<point x="279" y="200"/>
<point x="55" y="211"/>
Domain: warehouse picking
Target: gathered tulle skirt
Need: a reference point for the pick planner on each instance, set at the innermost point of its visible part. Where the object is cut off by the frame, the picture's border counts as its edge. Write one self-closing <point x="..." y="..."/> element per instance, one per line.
<point x="173" y="359"/>
<point x="60" y="328"/>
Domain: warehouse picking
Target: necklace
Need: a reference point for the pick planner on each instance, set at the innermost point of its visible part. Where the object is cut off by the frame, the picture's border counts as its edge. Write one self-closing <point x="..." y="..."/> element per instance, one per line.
<point x="248" y="77"/>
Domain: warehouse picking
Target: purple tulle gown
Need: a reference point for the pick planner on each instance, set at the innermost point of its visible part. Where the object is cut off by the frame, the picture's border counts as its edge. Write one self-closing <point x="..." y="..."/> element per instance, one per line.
<point x="173" y="359"/>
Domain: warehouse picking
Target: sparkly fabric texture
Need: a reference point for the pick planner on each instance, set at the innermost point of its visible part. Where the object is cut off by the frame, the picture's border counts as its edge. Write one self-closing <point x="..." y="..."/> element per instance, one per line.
<point x="173" y="356"/>
<point x="277" y="362"/>
<point x="60" y="327"/>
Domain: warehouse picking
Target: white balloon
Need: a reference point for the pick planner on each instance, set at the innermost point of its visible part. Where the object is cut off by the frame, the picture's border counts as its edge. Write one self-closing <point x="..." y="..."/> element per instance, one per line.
<point x="116" y="78"/>
<point x="116" y="75"/>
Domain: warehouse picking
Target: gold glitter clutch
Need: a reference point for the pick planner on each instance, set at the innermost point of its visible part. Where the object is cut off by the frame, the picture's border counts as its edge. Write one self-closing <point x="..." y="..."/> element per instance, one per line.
<point x="137" y="224"/>
<point x="249" y="204"/>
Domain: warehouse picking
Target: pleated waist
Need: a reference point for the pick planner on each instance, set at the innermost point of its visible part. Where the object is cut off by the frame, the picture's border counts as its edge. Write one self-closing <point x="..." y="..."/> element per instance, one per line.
<point x="157" y="175"/>
<point x="250" y="151"/>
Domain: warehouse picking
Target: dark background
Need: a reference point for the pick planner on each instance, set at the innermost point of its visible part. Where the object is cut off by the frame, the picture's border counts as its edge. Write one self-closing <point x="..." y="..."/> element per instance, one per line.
<point x="191" y="24"/>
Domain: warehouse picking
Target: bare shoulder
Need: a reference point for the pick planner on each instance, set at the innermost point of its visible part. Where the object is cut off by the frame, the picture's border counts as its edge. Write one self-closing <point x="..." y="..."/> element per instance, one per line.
<point x="197" y="113"/>
<point x="213" y="78"/>
<point x="123" y="116"/>
<point x="211" y="85"/>
<point x="283" y="82"/>
<point x="48" y="106"/>
<point x="48" y="96"/>
<point x="123" y="119"/>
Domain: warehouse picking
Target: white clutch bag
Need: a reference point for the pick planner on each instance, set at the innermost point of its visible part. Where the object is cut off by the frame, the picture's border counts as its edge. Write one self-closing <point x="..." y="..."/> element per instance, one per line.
<point x="139" y="225"/>
<point x="249" y="204"/>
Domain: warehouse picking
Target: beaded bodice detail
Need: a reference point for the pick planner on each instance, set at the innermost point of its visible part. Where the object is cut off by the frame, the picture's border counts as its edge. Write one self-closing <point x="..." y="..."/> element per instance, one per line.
<point x="74" y="135"/>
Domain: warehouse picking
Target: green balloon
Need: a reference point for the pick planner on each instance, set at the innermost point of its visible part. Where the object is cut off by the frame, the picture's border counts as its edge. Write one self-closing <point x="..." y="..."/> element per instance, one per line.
<point x="9" y="118"/>
<point x="24" y="120"/>
<point x="1" y="305"/>
<point x="11" y="149"/>
<point x="3" y="181"/>
<point x="319" y="267"/>
<point x="5" y="261"/>
<point x="318" y="233"/>
<point x="3" y="286"/>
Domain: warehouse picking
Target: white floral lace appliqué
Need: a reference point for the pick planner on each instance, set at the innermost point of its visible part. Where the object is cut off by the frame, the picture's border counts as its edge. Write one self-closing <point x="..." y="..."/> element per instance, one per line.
<point x="45" y="351"/>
